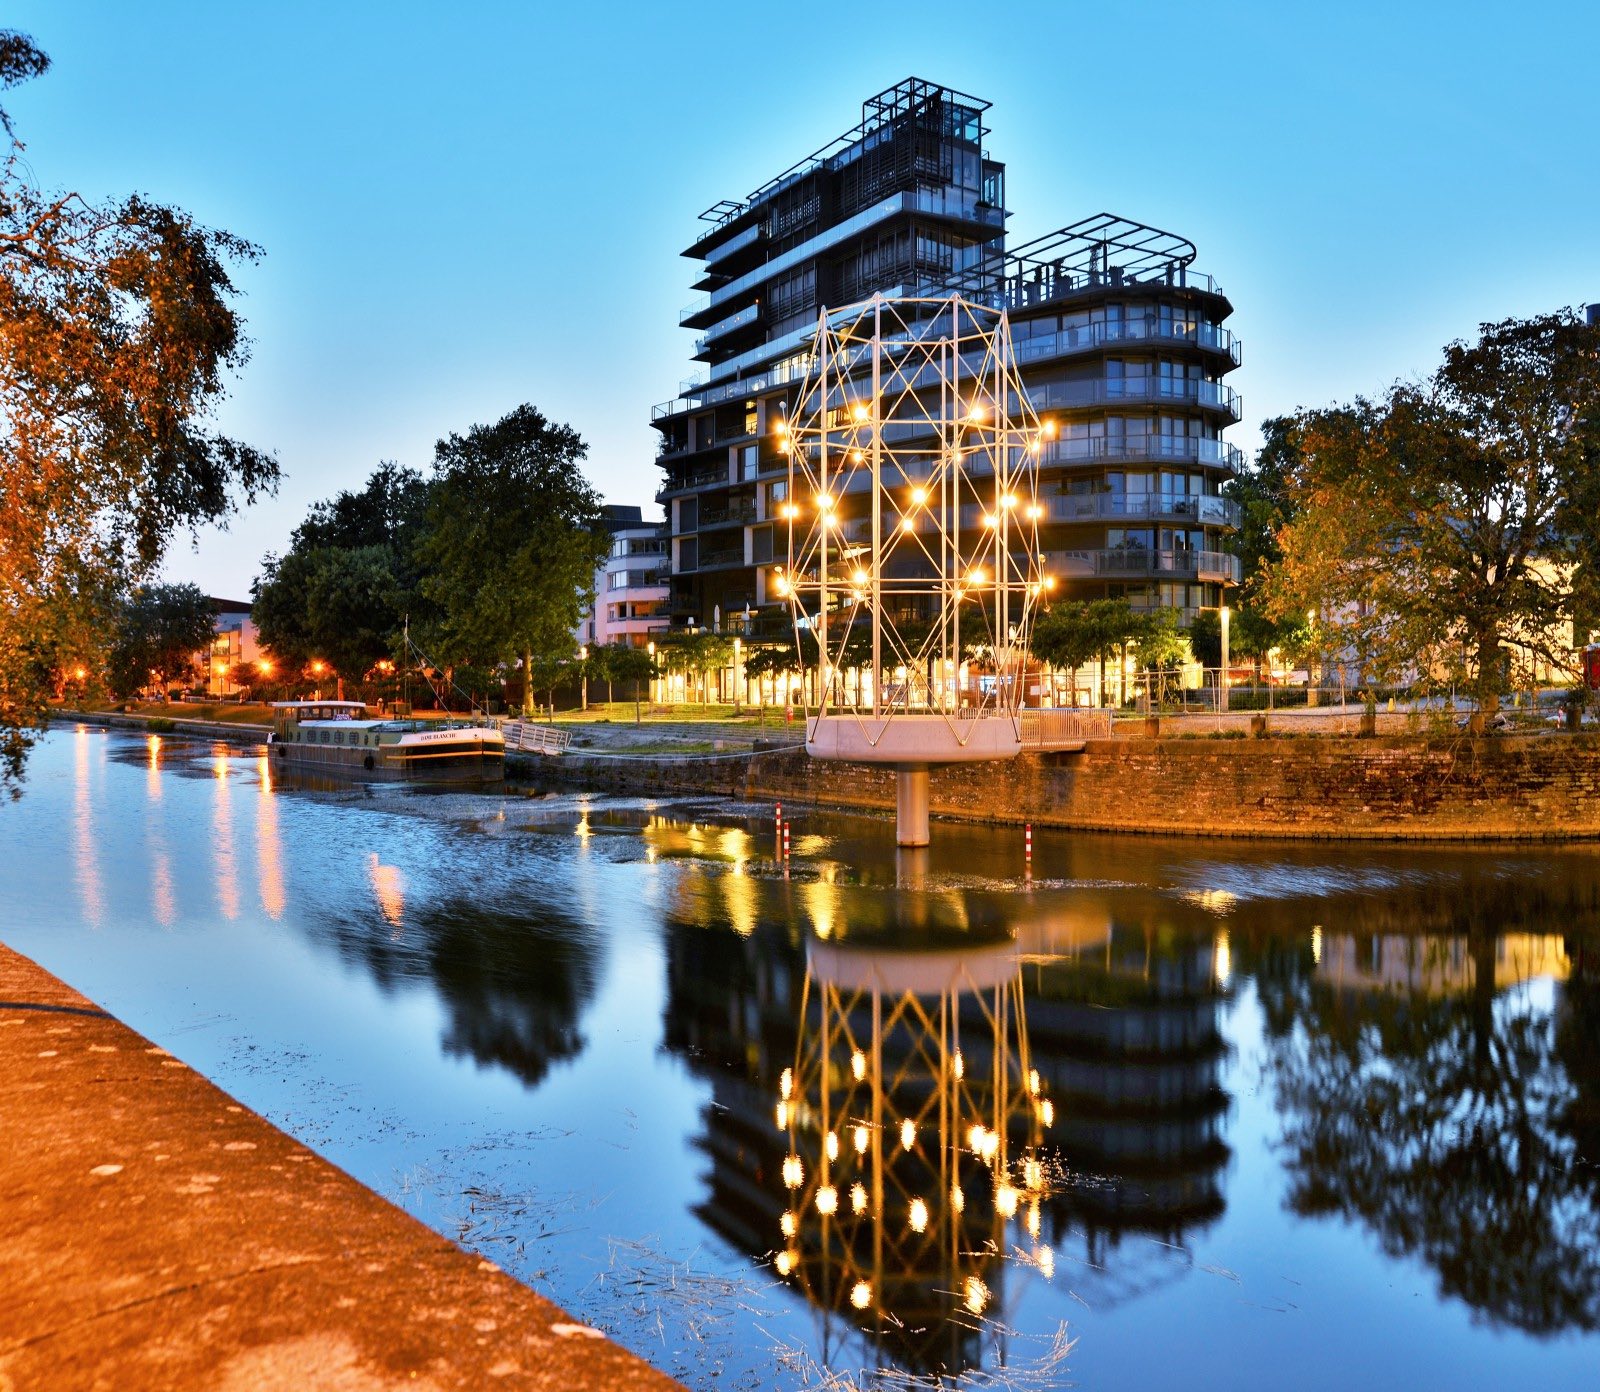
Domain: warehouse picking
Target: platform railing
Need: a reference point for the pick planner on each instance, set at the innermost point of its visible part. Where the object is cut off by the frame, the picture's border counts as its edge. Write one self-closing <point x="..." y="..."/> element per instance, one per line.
<point x="524" y="737"/>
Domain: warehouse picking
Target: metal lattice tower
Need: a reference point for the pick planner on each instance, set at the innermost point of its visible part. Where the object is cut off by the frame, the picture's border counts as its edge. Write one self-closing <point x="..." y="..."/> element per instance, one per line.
<point x="913" y="557"/>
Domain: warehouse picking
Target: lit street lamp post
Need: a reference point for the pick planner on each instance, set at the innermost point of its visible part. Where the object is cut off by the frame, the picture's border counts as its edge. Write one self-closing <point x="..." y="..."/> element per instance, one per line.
<point x="1222" y="676"/>
<point x="583" y="677"/>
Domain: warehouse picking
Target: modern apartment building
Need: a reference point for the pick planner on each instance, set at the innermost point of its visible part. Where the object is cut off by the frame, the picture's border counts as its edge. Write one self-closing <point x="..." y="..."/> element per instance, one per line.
<point x="1121" y="345"/>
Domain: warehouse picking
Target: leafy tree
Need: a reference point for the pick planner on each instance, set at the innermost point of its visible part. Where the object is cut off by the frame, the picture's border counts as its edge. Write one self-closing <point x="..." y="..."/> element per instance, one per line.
<point x="1453" y="527"/>
<point x="1205" y="638"/>
<point x="1160" y="645"/>
<point x="1073" y="633"/>
<point x="696" y="654"/>
<point x="116" y="334"/>
<point x="350" y="578"/>
<point x="514" y="535"/>
<point x="161" y="633"/>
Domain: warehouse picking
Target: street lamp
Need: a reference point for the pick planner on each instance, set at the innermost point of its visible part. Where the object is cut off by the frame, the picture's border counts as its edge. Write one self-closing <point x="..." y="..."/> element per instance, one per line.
<point x="583" y="657"/>
<point x="651" y="648"/>
<point x="1222" y="676"/>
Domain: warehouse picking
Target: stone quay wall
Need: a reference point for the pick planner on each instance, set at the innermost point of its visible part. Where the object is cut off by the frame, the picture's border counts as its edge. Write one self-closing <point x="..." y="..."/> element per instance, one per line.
<point x="1534" y="787"/>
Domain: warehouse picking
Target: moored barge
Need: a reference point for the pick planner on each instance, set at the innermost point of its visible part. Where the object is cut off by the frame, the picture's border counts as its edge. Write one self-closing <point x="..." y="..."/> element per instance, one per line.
<point x="345" y="738"/>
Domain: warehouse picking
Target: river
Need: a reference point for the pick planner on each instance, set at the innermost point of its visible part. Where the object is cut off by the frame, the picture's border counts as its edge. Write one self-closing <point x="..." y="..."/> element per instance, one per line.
<point x="1148" y="1113"/>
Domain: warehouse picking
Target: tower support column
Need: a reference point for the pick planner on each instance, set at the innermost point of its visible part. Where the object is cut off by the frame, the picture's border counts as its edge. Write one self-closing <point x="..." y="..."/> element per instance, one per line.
<point x="911" y="806"/>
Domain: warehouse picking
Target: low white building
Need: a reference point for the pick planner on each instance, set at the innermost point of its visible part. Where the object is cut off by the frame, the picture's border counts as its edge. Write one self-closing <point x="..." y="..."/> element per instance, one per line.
<point x="630" y="589"/>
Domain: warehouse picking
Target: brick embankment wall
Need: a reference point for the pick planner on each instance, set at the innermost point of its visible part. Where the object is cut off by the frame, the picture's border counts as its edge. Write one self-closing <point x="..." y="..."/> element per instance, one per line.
<point x="1537" y="787"/>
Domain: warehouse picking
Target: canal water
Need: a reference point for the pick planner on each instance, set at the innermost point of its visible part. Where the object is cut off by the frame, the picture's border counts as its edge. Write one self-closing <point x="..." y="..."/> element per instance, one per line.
<point x="1147" y="1113"/>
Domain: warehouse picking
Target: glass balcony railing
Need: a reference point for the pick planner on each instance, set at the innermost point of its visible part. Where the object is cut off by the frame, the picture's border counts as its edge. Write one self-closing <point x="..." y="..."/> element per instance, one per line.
<point x="1048" y="396"/>
<point x="1179" y="562"/>
<point x="1184" y="449"/>
<point x="1152" y="331"/>
<point x="1205" y="508"/>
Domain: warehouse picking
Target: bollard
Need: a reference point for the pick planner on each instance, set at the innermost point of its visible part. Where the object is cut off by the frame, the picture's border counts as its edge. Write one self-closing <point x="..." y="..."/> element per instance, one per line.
<point x="1027" y="842"/>
<point x="778" y="815"/>
<point x="786" y="841"/>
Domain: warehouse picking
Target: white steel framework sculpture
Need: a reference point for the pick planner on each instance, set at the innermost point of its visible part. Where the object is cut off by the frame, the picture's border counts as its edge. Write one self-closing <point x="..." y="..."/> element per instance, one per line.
<point x="913" y="556"/>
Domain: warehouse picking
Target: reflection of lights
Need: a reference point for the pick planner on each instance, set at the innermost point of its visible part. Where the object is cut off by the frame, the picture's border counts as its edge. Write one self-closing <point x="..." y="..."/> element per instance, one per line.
<point x="827" y="1200"/>
<point x="1033" y="1219"/>
<point x="858" y="1197"/>
<point x="1033" y="1081"/>
<point x="861" y="1295"/>
<point x="788" y="1223"/>
<point x="831" y="1145"/>
<point x="268" y="855"/>
<point x="783" y="1115"/>
<point x="977" y="1297"/>
<point x="388" y="888"/>
<point x="863" y="1138"/>
<point x="958" y="1065"/>
<point x="786" y="1262"/>
<point x="858" y="1065"/>
<point x="1316" y="944"/>
<point x="1047" y="1262"/>
<point x="1005" y="1200"/>
<point x="793" y="1172"/>
<point x="1224" y="959"/>
<point x="1047" y="1112"/>
<point x="786" y="1083"/>
<point x="958" y="1198"/>
<point x="919" y="1216"/>
<point x="1033" y="1175"/>
<point x="908" y="1134"/>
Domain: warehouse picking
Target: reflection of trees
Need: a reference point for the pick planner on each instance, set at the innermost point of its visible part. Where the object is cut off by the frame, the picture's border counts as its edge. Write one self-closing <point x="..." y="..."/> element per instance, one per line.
<point x="513" y="984"/>
<point x="1449" y="1124"/>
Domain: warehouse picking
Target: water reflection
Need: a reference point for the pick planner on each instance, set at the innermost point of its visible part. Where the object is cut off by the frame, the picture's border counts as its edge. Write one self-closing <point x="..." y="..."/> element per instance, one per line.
<point x="85" y="854"/>
<point x="269" y="847"/>
<point x="1428" y="1092"/>
<point x="912" y="1118"/>
<point x="222" y="847"/>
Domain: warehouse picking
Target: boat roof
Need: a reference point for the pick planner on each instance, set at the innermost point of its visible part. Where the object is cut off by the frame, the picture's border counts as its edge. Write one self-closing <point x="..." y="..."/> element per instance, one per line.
<point x="319" y="705"/>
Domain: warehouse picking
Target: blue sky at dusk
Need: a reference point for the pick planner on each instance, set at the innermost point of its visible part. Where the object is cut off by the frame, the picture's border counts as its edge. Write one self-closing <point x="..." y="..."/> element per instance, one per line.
<point x="464" y="208"/>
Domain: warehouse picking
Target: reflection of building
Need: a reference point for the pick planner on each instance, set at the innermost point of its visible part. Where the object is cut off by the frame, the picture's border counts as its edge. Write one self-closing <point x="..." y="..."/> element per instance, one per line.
<point x="1128" y="1036"/>
<point x="236" y="641"/>
<point x="1433" y="964"/>
<point x="630" y="588"/>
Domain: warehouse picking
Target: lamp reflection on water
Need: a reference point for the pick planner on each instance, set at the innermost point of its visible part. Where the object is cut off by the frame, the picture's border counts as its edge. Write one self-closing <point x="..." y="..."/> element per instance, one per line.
<point x="227" y="873"/>
<point x="919" y="1058"/>
<point x="389" y="889"/>
<point x="86" y="864"/>
<point x="269" y="853"/>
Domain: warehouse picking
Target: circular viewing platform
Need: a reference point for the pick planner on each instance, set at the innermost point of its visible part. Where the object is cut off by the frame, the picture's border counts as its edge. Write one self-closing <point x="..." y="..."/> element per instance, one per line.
<point x="914" y="740"/>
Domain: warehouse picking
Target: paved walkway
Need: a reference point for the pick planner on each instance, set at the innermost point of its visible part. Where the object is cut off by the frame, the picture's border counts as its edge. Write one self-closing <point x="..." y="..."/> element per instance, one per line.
<point x="156" y="1234"/>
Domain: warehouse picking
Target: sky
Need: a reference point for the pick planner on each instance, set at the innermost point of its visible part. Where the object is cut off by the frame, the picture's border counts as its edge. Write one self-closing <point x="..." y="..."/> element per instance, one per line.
<point x="466" y="208"/>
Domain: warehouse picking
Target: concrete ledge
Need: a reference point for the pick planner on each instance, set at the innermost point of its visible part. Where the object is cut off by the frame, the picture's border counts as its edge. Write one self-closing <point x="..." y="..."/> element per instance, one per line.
<point x="233" y="732"/>
<point x="156" y="1234"/>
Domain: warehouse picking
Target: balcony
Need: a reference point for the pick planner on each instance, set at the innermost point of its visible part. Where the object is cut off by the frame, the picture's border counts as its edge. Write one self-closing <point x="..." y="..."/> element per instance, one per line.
<point x="728" y="555"/>
<point x="1186" y="449"/>
<point x="1214" y="396"/>
<point x="1205" y="508"/>
<point x="1089" y="337"/>
<point x="726" y="517"/>
<point x="700" y="478"/>
<point x="1175" y="563"/>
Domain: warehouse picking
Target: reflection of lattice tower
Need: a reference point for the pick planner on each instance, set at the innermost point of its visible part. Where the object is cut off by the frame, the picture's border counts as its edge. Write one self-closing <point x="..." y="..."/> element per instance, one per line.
<point x="913" y="1142"/>
<point x="913" y="560"/>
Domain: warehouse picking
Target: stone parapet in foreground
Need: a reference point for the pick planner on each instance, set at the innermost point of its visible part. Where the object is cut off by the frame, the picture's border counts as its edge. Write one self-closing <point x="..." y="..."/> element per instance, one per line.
<point x="154" y="1234"/>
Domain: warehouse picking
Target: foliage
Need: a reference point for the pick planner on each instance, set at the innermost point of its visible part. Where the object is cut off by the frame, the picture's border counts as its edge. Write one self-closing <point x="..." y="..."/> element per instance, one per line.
<point x="513" y="538"/>
<point x="1073" y="633"/>
<point x="695" y="654"/>
<point x="1452" y="528"/>
<point x="621" y="662"/>
<point x="344" y="589"/>
<point x="160" y="635"/>
<point x="116" y="334"/>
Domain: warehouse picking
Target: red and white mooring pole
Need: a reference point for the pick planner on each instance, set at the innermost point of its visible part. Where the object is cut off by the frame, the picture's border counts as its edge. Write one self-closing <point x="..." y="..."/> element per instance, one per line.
<point x="1027" y="842"/>
<point x="786" y="840"/>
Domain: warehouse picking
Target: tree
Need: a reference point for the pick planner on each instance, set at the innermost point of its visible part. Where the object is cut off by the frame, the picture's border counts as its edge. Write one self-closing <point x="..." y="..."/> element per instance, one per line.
<point x="116" y="335"/>
<point x="350" y="579"/>
<point x="1160" y="645"/>
<point x="1452" y="528"/>
<point x="514" y="537"/>
<point x="1073" y="633"/>
<point x="161" y="634"/>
